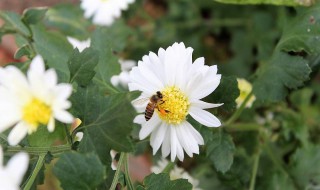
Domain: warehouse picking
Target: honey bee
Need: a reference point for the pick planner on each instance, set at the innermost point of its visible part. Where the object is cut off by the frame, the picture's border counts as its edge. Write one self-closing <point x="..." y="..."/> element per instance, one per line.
<point x="154" y="102"/>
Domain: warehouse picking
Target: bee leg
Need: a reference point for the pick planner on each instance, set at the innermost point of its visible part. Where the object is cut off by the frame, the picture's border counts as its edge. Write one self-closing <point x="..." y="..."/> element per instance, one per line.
<point x="163" y="111"/>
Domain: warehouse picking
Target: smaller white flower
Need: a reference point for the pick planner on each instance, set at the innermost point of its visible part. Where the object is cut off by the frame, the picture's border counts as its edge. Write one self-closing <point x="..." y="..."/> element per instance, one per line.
<point x="32" y="101"/>
<point x="245" y="88"/>
<point x="12" y="174"/>
<point x="123" y="78"/>
<point x="175" y="173"/>
<point x="81" y="45"/>
<point x="104" y="12"/>
<point x="114" y="163"/>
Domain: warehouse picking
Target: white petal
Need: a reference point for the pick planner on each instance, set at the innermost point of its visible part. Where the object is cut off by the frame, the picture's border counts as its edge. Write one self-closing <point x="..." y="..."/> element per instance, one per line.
<point x="139" y="119"/>
<point x="173" y="140"/>
<point x="51" y="124"/>
<point x="165" y="149"/>
<point x="183" y="139"/>
<point x="204" y="117"/>
<point x="37" y="64"/>
<point x="203" y="105"/>
<point x="162" y="130"/>
<point x="63" y="91"/>
<point x="1" y="157"/>
<point x="63" y="116"/>
<point x="9" y="120"/>
<point x="17" y="133"/>
<point x="180" y="153"/>
<point x="149" y="126"/>
<point x="51" y="78"/>
<point x="17" y="167"/>
<point x="194" y="133"/>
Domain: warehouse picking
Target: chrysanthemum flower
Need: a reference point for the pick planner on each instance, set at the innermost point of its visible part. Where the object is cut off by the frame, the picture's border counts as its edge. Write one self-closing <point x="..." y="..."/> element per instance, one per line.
<point x="123" y="78"/>
<point x="104" y="12"/>
<point x="81" y="45"/>
<point x="245" y="88"/>
<point x="175" y="173"/>
<point x="28" y="102"/>
<point x="182" y="85"/>
<point x="12" y="174"/>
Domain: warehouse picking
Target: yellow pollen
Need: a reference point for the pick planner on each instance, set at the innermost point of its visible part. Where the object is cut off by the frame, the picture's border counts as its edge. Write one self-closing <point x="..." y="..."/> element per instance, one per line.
<point x="175" y="104"/>
<point x="36" y="112"/>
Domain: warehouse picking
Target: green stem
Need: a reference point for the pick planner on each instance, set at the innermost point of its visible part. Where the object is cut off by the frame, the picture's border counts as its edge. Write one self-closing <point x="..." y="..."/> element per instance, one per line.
<point x="35" y="172"/>
<point x="127" y="174"/>
<point x="243" y="127"/>
<point x="54" y="150"/>
<point x="255" y="170"/>
<point x="116" y="175"/>
<point x="169" y="167"/>
<point x="239" y="110"/>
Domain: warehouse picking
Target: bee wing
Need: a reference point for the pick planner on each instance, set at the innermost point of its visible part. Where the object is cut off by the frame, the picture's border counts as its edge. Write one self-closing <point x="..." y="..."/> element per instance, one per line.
<point x="140" y="101"/>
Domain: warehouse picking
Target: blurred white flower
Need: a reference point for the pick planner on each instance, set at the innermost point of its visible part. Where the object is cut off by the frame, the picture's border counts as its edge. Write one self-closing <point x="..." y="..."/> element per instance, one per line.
<point x="245" y="88"/>
<point x="81" y="45"/>
<point x="11" y="175"/>
<point x="28" y="102"/>
<point x="175" y="173"/>
<point x="76" y="123"/>
<point x="114" y="163"/>
<point x="181" y="83"/>
<point x="104" y="12"/>
<point x="123" y="78"/>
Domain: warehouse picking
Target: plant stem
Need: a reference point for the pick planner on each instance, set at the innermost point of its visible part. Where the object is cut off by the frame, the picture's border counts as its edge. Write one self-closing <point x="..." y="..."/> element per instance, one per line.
<point x="35" y="172"/>
<point x="127" y="174"/>
<point x="169" y="167"/>
<point x="239" y="110"/>
<point x="243" y="127"/>
<point x="116" y="175"/>
<point x="255" y="170"/>
<point x="54" y="150"/>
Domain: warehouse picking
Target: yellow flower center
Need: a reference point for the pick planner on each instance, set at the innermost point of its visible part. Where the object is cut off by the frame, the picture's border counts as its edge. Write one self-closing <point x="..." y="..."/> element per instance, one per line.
<point x="36" y="112"/>
<point x="175" y="104"/>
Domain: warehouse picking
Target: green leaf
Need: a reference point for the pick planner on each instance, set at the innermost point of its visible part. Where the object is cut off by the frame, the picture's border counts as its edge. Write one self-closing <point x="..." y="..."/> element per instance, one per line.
<point x="226" y="93"/>
<point x="220" y="150"/>
<point x="82" y="66"/>
<point x="302" y="32"/>
<point x="54" y="48"/>
<point x="14" y="20"/>
<point x="276" y="181"/>
<point x="108" y="63"/>
<point x="22" y="51"/>
<point x="162" y="182"/>
<point x="43" y="138"/>
<point x="106" y="120"/>
<point x="69" y="20"/>
<point x="282" y="72"/>
<point x="78" y="171"/>
<point x="34" y="15"/>
<point x="305" y="167"/>
<point x="271" y="2"/>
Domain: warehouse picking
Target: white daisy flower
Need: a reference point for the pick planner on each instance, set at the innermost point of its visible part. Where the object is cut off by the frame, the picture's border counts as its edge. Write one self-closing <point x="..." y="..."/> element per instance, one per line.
<point x="11" y="175"/>
<point x="123" y="78"/>
<point x="245" y="88"/>
<point x="175" y="173"/>
<point x="28" y="102"/>
<point x="81" y="45"/>
<point x="182" y="84"/>
<point x="104" y="12"/>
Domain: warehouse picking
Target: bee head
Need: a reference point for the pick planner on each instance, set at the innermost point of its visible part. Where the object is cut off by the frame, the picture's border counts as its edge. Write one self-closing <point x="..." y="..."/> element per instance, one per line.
<point x="159" y="94"/>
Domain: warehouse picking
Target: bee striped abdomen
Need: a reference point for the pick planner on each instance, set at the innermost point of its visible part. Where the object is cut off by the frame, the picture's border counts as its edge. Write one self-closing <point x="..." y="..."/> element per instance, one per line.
<point x="149" y="110"/>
